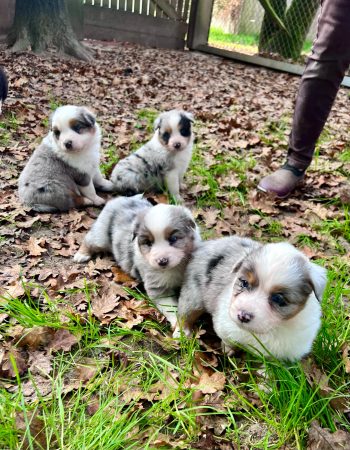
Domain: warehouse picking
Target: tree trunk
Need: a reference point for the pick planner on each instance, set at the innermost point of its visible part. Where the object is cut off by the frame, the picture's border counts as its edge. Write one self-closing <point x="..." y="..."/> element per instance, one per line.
<point x="268" y="26"/>
<point x="40" y="24"/>
<point x="298" y="19"/>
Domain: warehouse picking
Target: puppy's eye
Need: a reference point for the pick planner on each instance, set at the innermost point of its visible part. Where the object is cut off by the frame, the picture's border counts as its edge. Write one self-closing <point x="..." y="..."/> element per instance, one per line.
<point x="166" y="136"/>
<point x="278" y="299"/>
<point x="243" y="283"/>
<point x="77" y="128"/>
<point x="56" y="133"/>
<point x="185" y="131"/>
<point x="146" y="242"/>
<point x="173" y="238"/>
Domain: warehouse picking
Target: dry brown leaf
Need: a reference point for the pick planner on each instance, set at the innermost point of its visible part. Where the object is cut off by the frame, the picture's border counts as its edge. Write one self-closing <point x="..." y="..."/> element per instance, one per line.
<point x="40" y="363"/>
<point x="36" y="427"/>
<point x="346" y="356"/>
<point x="63" y="340"/>
<point x="34" y="246"/>
<point x="121" y="277"/>
<point x="322" y="439"/>
<point x="103" y="306"/>
<point x="210" y="383"/>
<point x="13" y="361"/>
<point x="35" y="337"/>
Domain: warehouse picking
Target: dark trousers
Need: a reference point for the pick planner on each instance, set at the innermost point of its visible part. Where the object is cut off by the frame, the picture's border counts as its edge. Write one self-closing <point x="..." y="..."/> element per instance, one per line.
<point x="324" y="72"/>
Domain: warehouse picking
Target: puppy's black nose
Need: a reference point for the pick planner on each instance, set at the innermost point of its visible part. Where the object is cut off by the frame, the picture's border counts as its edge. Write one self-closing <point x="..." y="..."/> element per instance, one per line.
<point x="68" y="145"/>
<point x="244" y="316"/>
<point x="177" y="145"/>
<point x="163" y="262"/>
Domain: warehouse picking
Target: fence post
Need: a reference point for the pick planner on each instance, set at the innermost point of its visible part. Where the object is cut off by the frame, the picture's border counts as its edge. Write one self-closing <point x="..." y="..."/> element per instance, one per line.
<point x="199" y="23"/>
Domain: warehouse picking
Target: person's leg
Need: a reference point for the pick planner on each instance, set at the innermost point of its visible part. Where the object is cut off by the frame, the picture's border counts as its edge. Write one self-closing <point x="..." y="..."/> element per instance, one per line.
<point x="319" y="85"/>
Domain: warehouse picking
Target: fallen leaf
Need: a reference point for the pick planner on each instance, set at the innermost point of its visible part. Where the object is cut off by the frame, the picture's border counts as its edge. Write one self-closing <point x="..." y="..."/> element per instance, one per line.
<point x="322" y="439"/>
<point x="209" y="384"/>
<point x="63" y="340"/>
<point x="34" y="246"/>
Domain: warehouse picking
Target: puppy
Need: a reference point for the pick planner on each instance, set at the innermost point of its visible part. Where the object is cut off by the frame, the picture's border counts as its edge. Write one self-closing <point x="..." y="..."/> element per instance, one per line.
<point x="162" y="162"/>
<point x="151" y="243"/>
<point x="264" y="297"/>
<point x="63" y="171"/>
<point x="3" y="87"/>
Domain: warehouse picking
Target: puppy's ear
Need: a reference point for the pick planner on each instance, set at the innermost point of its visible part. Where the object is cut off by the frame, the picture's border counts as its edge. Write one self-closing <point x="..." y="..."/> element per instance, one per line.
<point x="137" y="224"/>
<point x="187" y="220"/>
<point x="318" y="276"/>
<point x="237" y="266"/>
<point x="51" y="119"/>
<point x="188" y="115"/>
<point x="157" y="123"/>
<point x="87" y="117"/>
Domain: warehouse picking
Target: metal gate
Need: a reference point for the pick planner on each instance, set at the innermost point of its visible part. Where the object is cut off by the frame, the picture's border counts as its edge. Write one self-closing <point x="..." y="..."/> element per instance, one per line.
<point x="154" y="23"/>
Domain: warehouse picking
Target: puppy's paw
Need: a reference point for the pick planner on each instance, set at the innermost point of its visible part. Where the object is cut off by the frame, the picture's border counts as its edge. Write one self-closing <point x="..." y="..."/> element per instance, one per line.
<point x="99" y="201"/>
<point x="229" y="351"/>
<point x="81" y="257"/>
<point x="178" y="332"/>
<point x="87" y="202"/>
<point x="105" y="186"/>
<point x="179" y="200"/>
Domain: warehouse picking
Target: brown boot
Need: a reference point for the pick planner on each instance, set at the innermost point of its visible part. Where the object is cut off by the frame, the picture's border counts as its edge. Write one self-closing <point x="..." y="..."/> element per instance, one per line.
<point x="283" y="181"/>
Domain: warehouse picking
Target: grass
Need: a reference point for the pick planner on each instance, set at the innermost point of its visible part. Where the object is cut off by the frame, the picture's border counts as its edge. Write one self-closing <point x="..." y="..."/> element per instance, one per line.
<point x="242" y="41"/>
<point x="142" y="391"/>
<point x="110" y="160"/>
<point x="128" y="406"/>
<point x="209" y="176"/>
<point x="8" y="126"/>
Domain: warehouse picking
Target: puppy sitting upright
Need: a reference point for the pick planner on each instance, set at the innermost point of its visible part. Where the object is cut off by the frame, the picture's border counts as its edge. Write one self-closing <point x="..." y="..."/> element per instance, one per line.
<point x="162" y="162"/>
<point x="63" y="171"/>
<point x="151" y="243"/>
<point x="265" y="297"/>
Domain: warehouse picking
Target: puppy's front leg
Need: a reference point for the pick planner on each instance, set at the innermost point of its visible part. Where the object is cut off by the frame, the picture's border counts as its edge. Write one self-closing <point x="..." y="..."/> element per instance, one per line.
<point x="173" y="185"/>
<point x="101" y="183"/>
<point x="89" y="192"/>
<point x="190" y="307"/>
<point x="167" y="304"/>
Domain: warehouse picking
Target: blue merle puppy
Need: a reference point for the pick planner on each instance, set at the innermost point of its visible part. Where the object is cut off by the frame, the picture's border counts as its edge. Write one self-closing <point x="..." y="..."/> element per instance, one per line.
<point x="151" y="243"/>
<point x="162" y="162"/>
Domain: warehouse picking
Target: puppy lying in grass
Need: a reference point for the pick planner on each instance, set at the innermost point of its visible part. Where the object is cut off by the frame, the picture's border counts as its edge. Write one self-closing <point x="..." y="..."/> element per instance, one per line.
<point x="63" y="171"/>
<point x="162" y="162"/>
<point x="264" y="297"/>
<point x="151" y="243"/>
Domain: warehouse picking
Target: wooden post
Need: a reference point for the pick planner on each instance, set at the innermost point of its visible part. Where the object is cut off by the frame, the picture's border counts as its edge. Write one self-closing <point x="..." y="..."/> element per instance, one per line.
<point x="199" y="24"/>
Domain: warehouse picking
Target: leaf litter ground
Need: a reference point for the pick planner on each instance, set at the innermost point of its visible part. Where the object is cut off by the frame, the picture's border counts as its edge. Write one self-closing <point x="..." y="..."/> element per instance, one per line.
<point x="87" y="337"/>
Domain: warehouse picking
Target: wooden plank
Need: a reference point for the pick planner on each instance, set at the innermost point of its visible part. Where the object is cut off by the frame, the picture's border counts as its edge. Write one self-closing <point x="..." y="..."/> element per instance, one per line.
<point x="179" y="8"/>
<point x="186" y="10"/>
<point x="199" y="23"/>
<point x="152" y="8"/>
<point x="168" y="9"/>
<point x="109" y="24"/>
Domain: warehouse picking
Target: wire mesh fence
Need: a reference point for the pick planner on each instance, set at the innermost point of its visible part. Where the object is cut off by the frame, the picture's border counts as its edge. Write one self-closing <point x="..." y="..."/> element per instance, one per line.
<point x="244" y="26"/>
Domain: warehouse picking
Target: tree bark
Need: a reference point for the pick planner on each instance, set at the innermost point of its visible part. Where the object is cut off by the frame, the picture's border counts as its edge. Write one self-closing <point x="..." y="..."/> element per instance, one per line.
<point x="40" y="24"/>
<point x="268" y="26"/>
<point x="298" y="19"/>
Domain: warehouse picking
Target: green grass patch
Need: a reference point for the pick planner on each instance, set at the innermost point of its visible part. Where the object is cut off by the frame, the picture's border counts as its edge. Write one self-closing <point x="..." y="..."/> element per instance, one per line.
<point x="209" y="177"/>
<point x="139" y="391"/>
<point x="219" y="37"/>
<point x="111" y="158"/>
<point x="145" y="119"/>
